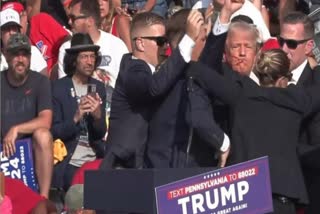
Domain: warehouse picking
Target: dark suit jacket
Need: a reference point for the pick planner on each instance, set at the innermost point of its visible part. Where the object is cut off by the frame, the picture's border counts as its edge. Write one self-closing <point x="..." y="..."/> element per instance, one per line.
<point x="212" y="56"/>
<point x="136" y="92"/>
<point x="183" y="117"/>
<point x="64" y="108"/>
<point x="309" y="147"/>
<point x="310" y="134"/>
<point x="212" y="53"/>
<point x="265" y="121"/>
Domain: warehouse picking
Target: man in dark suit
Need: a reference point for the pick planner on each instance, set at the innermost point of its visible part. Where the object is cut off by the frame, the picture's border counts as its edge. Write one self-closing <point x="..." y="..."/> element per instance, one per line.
<point x="79" y="116"/>
<point x="182" y="130"/>
<point x="296" y="39"/>
<point x="139" y="85"/>
<point x="266" y="124"/>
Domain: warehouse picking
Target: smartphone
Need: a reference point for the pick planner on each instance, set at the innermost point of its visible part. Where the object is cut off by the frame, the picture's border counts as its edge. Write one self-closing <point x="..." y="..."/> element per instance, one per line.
<point x="91" y="89"/>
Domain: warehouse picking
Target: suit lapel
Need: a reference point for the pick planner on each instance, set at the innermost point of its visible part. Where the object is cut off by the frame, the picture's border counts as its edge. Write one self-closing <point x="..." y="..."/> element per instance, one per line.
<point x="71" y="93"/>
<point x="306" y="76"/>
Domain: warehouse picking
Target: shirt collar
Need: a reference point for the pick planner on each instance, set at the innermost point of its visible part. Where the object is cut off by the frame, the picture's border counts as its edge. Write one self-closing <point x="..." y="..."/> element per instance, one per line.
<point x="296" y="73"/>
<point x="254" y="77"/>
<point x="152" y="68"/>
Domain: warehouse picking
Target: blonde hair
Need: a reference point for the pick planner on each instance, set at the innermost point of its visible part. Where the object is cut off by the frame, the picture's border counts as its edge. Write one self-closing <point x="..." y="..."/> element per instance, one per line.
<point x="271" y="65"/>
<point x="106" y="22"/>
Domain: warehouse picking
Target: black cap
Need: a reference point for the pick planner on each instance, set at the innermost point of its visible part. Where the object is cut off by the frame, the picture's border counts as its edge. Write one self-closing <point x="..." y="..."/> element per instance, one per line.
<point x="82" y="42"/>
<point x="18" y="42"/>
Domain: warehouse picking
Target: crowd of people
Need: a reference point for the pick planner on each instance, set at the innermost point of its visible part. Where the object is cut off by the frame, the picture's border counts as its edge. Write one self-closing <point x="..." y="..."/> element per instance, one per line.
<point x="133" y="84"/>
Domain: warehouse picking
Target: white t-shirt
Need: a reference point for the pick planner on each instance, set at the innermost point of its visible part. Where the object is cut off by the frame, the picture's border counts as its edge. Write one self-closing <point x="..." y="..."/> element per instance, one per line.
<point x="111" y="49"/>
<point x="37" y="63"/>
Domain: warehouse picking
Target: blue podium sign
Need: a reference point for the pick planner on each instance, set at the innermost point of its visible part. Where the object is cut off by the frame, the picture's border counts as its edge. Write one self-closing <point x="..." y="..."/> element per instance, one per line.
<point x="241" y="188"/>
<point x="20" y="165"/>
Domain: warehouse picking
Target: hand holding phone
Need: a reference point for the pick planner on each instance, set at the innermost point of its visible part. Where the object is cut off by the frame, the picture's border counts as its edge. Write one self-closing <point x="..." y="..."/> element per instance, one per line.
<point x="91" y="90"/>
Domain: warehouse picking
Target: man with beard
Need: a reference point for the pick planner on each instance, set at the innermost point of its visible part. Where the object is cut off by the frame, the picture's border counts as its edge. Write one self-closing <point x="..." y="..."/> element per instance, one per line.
<point x="84" y="17"/>
<point x="26" y="109"/>
<point x="78" y="112"/>
<point x="11" y="24"/>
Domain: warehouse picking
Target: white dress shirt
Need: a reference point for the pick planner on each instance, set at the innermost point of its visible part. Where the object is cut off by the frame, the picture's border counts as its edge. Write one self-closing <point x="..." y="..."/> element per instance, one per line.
<point x="296" y="73"/>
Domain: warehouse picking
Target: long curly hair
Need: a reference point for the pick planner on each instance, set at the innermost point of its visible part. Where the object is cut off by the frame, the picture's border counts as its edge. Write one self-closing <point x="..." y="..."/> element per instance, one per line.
<point x="70" y="60"/>
<point x="107" y="21"/>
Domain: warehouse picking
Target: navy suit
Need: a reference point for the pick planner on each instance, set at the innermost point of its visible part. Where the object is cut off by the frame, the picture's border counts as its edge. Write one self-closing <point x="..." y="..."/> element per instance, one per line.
<point x="136" y="92"/>
<point x="183" y="132"/>
<point x="64" y="108"/>
<point x="184" y="115"/>
<point x="184" y="118"/>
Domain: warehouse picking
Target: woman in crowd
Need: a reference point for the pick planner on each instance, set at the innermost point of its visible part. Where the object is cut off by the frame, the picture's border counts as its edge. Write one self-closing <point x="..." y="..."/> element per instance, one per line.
<point x="111" y="22"/>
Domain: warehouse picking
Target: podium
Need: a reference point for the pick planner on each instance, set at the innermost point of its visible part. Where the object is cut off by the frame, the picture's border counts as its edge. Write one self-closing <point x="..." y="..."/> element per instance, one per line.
<point x="130" y="190"/>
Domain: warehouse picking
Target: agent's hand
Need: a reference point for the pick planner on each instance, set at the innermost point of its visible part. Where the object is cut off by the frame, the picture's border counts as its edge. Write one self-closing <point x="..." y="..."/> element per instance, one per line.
<point x="223" y="158"/>
<point x="9" y="142"/>
<point x="208" y="18"/>
<point x="194" y="22"/>
<point x="312" y="62"/>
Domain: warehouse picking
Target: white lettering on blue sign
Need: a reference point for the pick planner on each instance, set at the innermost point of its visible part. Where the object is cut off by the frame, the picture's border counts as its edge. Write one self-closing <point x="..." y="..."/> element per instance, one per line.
<point x="201" y="201"/>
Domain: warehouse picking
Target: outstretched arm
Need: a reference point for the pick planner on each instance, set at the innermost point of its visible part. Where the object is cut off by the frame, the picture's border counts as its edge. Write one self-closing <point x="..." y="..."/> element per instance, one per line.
<point x="214" y="84"/>
<point x="212" y="53"/>
<point x="141" y="84"/>
<point x="201" y="119"/>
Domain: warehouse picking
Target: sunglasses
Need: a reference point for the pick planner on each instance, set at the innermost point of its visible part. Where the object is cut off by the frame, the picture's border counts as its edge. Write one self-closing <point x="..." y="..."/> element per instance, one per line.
<point x="291" y="43"/>
<point x="73" y="18"/>
<point x="160" y="40"/>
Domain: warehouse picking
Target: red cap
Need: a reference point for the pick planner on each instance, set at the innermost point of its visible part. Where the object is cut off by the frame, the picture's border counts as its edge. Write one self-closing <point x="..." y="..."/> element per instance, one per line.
<point x="17" y="6"/>
<point x="271" y="43"/>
